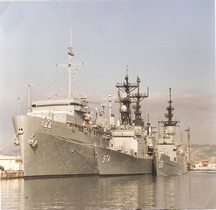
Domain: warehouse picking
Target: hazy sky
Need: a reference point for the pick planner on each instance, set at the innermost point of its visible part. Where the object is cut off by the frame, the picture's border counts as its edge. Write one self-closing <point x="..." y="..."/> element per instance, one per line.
<point x="167" y="43"/>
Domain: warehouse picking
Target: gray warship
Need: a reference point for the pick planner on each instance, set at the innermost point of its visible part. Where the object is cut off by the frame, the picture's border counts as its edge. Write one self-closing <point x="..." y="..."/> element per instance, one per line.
<point x="169" y="155"/>
<point x="58" y="137"/>
<point x="130" y="144"/>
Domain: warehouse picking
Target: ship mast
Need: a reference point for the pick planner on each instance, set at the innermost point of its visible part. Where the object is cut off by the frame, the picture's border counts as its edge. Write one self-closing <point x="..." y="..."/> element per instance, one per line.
<point x="138" y="97"/>
<point x="29" y="98"/>
<point x="110" y="108"/>
<point x="169" y="114"/>
<point x="69" y="66"/>
<point x="148" y="126"/>
<point x="125" y="102"/>
<point x="125" y="108"/>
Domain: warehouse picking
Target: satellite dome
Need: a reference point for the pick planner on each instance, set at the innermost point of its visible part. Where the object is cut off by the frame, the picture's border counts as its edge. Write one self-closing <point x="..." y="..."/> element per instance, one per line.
<point x="124" y="108"/>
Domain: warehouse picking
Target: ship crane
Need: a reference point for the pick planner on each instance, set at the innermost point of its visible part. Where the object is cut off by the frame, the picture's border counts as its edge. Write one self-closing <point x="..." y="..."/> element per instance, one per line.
<point x="188" y="130"/>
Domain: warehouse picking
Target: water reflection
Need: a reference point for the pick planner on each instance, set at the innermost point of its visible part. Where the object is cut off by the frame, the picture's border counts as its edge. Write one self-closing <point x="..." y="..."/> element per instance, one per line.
<point x="193" y="190"/>
<point x="166" y="192"/>
<point x="10" y="193"/>
<point x="128" y="192"/>
<point x="89" y="193"/>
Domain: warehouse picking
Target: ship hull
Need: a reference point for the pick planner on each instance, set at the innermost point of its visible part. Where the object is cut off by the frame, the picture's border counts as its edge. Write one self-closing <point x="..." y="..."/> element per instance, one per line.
<point x="112" y="162"/>
<point x="165" y="167"/>
<point x="57" y="151"/>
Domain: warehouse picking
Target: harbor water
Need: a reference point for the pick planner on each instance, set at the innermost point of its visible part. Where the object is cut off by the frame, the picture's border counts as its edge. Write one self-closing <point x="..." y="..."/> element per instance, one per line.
<point x="195" y="190"/>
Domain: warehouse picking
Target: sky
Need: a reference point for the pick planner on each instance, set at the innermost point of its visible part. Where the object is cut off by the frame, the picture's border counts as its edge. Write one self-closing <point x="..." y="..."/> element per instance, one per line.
<point x="167" y="43"/>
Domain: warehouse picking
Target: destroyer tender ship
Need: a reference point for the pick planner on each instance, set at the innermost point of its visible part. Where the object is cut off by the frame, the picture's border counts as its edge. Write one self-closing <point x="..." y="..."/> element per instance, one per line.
<point x="169" y="156"/>
<point x="58" y="137"/>
<point x="130" y="147"/>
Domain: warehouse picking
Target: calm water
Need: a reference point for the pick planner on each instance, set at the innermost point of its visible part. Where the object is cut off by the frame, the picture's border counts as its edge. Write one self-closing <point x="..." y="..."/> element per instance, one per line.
<point x="193" y="190"/>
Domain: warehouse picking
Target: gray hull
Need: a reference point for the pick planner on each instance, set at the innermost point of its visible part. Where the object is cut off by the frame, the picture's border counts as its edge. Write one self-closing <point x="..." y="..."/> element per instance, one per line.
<point x="112" y="162"/>
<point x="165" y="167"/>
<point x="55" y="151"/>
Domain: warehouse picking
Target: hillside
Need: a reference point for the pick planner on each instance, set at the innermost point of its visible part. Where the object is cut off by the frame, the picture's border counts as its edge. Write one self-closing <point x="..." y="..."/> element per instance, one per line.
<point x="203" y="152"/>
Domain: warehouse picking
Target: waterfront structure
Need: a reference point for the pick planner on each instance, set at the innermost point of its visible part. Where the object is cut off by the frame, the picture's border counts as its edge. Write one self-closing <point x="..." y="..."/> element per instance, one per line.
<point x="10" y="163"/>
<point x="203" y="166"/>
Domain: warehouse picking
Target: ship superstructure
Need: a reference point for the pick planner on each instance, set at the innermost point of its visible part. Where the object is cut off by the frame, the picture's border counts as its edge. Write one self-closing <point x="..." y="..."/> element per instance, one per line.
<point x="128" y="151"/>
<point x="58" y="137"/>
<point x="169" y="155"/>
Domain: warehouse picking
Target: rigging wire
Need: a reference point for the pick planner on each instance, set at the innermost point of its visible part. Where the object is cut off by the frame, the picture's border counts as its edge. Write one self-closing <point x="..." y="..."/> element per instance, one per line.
<point x="51" y="84"/>
<point x="6" y="145"/>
